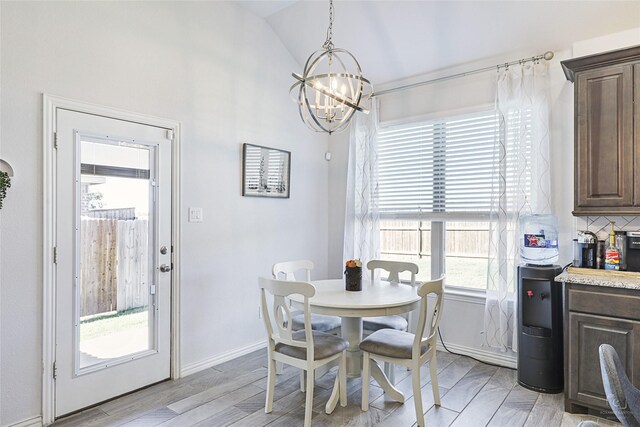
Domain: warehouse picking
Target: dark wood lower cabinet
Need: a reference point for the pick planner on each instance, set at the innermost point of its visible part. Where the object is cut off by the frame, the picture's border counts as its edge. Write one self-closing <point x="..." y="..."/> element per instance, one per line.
<point x="586" y="330"/>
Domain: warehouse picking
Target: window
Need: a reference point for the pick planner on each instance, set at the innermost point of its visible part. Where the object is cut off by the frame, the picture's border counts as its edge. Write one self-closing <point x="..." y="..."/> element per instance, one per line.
<point x="435" y="183"/>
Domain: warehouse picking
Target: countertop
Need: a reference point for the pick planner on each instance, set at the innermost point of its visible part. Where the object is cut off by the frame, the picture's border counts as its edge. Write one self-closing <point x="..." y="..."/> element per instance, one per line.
<point x="614" y="281"/>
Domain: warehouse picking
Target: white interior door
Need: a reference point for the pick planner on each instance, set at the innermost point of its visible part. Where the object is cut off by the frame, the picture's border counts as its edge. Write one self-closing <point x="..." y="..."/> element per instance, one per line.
<point x="113" y="257"/>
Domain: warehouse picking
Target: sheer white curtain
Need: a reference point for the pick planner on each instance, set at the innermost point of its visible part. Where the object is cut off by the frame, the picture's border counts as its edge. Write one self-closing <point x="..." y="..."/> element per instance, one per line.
<point x="362" y="217"/>
<point x="521" y="186"/>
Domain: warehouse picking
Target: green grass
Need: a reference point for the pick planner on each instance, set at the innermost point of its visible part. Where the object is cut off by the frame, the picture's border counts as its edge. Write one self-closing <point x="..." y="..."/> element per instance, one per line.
<point x="99" y="326"/>
<point x="467" y="272"/>
<point x="464" y="272"/>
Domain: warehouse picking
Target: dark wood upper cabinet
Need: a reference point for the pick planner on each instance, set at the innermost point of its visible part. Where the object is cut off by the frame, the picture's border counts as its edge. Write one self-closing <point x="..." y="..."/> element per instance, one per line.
<point x="607" y="140"/>
<point x="604" y="135"/>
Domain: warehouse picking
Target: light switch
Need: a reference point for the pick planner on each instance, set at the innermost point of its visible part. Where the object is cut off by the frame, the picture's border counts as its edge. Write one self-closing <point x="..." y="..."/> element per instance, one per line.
<point x="195" y="214"/>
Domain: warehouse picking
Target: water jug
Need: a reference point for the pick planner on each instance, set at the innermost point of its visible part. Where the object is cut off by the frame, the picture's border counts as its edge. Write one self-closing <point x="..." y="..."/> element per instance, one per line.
<point x="539" y="239"/>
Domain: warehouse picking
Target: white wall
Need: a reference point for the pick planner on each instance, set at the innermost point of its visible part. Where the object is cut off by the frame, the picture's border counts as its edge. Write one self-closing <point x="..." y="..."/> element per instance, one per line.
<point x="462" y="321"/>
<point x="225" y="75"/>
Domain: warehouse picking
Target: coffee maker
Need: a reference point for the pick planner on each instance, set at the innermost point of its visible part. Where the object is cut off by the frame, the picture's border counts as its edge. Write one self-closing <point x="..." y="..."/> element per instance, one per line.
<point x="585" y="249"/>
<point x="633" y="251"/>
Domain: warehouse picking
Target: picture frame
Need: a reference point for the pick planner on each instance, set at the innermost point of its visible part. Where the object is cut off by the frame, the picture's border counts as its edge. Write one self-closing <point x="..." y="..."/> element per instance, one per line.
<point x="266" y="172"/>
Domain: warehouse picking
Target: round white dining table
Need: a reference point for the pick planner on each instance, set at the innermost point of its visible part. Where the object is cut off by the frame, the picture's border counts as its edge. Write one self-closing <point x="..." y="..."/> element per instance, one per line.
<point x="377" y="298"/>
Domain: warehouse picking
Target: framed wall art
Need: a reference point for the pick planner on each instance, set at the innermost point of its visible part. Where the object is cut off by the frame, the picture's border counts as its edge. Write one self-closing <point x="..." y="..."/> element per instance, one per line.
<point x="265" y="171"/>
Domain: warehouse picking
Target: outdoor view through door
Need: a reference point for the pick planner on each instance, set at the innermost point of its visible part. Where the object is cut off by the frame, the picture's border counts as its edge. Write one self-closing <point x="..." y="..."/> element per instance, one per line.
<point x="113" y="258"/>
<point x="115" y="241"/>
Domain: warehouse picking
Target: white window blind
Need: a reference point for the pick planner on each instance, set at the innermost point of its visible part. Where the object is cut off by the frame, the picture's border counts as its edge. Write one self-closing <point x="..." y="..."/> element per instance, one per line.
<point x="441" y="168"/>
<point x="445" y="169"/>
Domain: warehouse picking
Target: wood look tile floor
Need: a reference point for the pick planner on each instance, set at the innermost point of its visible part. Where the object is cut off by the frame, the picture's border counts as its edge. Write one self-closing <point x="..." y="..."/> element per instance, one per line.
<point x="232" y="394"/>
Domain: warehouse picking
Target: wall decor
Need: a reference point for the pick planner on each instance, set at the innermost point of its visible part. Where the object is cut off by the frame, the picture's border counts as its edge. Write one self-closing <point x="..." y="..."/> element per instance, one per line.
<point x="265" y="171"/>
<point x="5" y="183"/>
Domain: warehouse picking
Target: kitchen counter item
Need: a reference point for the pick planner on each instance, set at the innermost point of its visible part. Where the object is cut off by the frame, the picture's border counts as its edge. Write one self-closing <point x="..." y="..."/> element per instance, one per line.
<point x="612" y="254"/>
<point x="633" y="251"/>
<point x="585" y="250"/>
<point x="600" y="253"/>
<point x="621" y="244"/>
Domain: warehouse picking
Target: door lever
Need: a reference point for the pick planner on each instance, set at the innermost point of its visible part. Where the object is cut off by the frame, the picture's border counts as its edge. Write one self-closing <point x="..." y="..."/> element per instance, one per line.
<point x="165" y="268"/>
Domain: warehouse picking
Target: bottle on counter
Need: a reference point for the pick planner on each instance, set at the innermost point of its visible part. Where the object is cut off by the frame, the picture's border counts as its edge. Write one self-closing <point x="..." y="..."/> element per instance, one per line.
<point x="621" y="244"/>
<point x="600" y="251"/>
<point x="612" y="255"/>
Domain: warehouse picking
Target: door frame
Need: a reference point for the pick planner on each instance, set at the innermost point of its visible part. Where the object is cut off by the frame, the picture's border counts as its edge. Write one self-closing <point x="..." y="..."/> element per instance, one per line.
<point x="50" y="103"/>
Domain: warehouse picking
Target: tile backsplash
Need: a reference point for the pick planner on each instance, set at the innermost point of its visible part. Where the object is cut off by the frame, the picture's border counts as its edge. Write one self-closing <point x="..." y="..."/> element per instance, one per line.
<point x="600" y="224"/>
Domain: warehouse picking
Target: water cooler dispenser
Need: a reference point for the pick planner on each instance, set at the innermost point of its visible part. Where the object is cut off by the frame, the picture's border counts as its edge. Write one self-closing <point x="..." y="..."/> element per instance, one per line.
<point x="540" y="351"/>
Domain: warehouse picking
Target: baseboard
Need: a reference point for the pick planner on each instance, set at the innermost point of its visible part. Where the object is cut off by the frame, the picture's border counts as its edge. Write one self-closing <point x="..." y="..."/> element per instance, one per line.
<point x="30" y="422"/>
<point x="201" y="365"/>
<point x="508" y="360"/>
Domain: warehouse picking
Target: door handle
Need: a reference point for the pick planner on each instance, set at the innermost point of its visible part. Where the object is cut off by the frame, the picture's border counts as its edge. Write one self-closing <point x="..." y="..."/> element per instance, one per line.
<point x="165" y="268"/>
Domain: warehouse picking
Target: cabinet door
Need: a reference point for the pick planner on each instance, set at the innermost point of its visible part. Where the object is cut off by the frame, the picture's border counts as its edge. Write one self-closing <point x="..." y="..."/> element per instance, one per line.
<point x="636" y="120"/>
<point x="604" y="138"/>
<point x="586" y="333"/>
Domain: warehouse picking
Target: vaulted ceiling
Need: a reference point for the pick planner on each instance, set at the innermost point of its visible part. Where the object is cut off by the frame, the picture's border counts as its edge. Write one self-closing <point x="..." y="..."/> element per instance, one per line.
<point x="398" y="39"/>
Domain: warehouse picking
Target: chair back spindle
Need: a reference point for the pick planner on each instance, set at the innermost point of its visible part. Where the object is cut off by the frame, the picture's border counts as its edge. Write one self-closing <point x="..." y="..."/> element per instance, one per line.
<point x="394" y="268"/>
<point x="424" y="290"/>
<point x="288" y="269"/>
<point x="280" y="290"/>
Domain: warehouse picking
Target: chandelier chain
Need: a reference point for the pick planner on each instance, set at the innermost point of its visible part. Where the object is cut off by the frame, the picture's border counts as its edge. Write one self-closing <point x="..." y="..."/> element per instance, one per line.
<point x="328" y="43"/>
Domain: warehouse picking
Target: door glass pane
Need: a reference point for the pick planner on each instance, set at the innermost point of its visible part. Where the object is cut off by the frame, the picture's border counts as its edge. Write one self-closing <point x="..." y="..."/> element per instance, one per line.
<point x="115" y="240"/>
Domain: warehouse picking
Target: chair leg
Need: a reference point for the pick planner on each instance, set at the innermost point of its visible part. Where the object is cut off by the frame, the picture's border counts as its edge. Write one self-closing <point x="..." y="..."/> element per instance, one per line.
<point x="279" y="368"/>
<point x="417" y="395"/>
<point x="303" y="375"/>
<point x="366" y="378"/>
<point x="433" y="369"/>
<point x="271" y="385"/>
<point x="308" y="408"/>
<point x="342" y="373"/>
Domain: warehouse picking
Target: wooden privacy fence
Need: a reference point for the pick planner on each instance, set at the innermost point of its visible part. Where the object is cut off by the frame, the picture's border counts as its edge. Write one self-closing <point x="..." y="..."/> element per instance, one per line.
<point x="464" y="239"/>
<point x="114" y="265"/>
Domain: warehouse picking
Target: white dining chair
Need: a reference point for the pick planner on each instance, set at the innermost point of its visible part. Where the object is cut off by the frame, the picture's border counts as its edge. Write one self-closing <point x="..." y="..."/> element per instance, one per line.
<point x="394" y="268"/>
<point x="407" y="349"/>
<point x="330" y="324"/>
<point x="319" y="322"/>
<point x="304" y="349"/>
<point x="397" y="322"/>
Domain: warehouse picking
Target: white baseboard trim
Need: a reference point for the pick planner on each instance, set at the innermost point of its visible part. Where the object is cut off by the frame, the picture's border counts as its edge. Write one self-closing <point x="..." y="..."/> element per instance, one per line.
<point x="201" y="365"/>
<point x="30" y="422"/>
<point x="508" y="360"/>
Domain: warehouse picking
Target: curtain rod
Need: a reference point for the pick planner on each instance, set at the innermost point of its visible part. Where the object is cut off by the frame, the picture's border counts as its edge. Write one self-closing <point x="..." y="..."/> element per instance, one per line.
<point x="546" y="56"/>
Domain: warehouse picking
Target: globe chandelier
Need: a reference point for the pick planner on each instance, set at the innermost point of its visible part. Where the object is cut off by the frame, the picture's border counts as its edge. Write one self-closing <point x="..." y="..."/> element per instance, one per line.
<point x="327" y="93"/>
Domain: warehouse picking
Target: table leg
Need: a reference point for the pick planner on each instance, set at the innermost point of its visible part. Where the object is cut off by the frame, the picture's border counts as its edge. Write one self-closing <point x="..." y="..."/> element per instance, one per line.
<point x="352" y="332"/>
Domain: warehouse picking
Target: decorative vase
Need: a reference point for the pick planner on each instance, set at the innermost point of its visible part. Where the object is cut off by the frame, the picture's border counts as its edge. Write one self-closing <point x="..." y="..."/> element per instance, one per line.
<point x="353" y="279"/>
